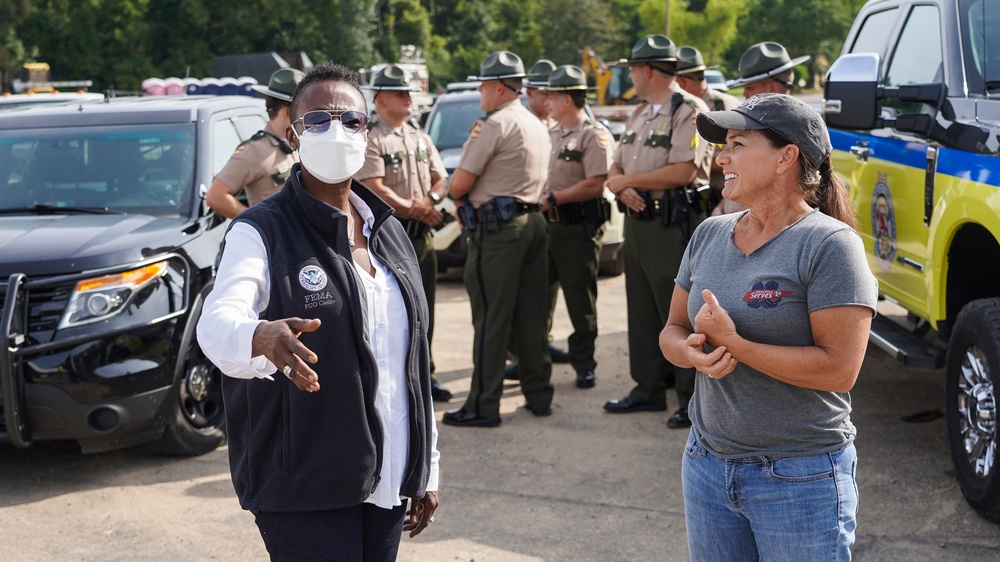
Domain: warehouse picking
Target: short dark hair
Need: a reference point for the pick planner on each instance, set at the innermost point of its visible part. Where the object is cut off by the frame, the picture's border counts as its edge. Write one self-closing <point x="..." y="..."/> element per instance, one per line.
<point x="514" y="84"/>
<point x="579" y="99"/>
<point x="328" y="72"/>
<point x="274" y="105"/>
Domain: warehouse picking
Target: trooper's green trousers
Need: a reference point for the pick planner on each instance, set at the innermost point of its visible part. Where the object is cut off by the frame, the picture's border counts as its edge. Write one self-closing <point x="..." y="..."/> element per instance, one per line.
<point x="506" y="276"/>
<point x="428" y="263"/>
<point x="653" y="255"/>
<point x="574" y="257"/>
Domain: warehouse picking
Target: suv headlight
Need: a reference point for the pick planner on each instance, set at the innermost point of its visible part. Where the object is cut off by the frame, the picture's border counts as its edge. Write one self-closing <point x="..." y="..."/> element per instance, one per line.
<point x="99" y="298"/>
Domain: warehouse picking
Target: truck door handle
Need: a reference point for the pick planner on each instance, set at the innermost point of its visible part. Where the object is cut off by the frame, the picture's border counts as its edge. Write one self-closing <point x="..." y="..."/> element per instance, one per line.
<point x="861" y="151"/>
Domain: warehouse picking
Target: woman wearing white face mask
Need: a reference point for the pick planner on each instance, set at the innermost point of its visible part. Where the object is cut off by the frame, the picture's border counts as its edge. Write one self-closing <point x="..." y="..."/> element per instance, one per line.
<point x="320" y="283"/>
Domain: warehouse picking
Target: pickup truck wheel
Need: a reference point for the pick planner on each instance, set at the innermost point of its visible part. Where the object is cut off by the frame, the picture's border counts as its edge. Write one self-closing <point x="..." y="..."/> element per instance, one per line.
<point x="972" y="383"/>
<point x="198" y="423"/>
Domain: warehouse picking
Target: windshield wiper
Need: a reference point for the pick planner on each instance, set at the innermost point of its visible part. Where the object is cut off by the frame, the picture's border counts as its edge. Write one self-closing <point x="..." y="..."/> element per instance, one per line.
<point x="50" y="209"/>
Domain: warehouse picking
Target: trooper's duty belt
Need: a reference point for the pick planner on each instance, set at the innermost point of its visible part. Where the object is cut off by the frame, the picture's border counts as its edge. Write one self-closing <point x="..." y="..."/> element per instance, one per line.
<point x="595" y="211"/>
<point x="494" y="214"/>
<point x="675" y="206"/>
<point x="416" y="230"/>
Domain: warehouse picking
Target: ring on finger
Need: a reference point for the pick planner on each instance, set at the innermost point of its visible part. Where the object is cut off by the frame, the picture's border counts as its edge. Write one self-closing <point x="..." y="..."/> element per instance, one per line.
<point x="288" y="371"/>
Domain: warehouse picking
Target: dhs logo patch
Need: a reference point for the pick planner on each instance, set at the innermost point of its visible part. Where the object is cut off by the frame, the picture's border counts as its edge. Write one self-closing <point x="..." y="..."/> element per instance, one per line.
<point x="312" y="278"/>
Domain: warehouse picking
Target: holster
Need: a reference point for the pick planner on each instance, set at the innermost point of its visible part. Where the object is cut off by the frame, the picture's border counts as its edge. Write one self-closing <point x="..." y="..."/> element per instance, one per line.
<point x="467" y="214"/>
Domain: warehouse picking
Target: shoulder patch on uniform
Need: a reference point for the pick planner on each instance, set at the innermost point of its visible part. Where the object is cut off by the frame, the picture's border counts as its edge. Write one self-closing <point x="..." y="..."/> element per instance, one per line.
<point x="242" y="146"/>
<point x="602" y="140"/>
<point x="477" y="129"/>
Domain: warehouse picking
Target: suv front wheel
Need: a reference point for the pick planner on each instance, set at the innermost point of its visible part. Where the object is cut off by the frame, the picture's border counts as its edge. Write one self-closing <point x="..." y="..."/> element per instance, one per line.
<point x="973" y="378"/>
<point x="196" y="423"/>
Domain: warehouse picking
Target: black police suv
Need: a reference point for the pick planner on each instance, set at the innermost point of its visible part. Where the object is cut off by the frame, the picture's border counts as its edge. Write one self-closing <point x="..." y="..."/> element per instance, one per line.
<point x="107" y="251"/>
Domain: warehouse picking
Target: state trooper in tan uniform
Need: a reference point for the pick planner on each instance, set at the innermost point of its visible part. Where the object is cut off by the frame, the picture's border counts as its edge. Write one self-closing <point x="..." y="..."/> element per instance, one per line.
<point x="404" y="168"/>
<point x="765" y="68"/>
<point x="498" y="184"/>
<point x="574" y="205"/>
<point x="259" y="165"/>
<point x="660" y="155"/>
<point x="691" y="77"/>
<point x="534" y="88"/>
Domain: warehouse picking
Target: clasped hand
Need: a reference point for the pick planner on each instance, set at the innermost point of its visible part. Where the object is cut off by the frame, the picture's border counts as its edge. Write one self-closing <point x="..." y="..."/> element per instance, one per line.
<point x="712" y="325"/>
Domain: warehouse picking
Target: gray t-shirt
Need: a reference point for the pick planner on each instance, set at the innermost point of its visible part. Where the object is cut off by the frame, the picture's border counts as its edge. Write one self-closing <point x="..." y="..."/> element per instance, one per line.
<point x="816" y="263"/>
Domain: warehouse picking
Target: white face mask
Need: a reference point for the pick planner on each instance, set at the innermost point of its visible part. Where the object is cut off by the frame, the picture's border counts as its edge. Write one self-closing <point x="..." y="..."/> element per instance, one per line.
<point x="334" y="155"/>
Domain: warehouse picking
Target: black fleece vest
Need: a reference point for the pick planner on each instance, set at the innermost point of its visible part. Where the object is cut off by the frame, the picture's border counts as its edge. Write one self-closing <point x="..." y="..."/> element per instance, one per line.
<point x="292" y="450"/>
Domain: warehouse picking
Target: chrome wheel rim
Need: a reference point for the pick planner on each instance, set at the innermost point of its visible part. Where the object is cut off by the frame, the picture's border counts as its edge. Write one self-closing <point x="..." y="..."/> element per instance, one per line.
<point x="977" y="411"/>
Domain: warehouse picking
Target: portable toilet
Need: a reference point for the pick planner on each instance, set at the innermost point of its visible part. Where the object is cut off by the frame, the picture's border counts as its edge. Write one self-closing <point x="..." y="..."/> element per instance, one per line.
<point x="153" y="87"/>
<point x="211" y="86"/>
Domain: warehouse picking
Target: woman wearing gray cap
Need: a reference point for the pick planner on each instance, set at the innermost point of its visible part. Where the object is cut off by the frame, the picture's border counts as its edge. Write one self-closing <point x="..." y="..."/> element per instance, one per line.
<point x="772" y="306"/>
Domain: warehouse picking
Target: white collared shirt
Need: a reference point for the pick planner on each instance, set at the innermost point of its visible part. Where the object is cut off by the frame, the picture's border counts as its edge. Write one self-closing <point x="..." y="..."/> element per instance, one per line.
<point x="231" y="315"/>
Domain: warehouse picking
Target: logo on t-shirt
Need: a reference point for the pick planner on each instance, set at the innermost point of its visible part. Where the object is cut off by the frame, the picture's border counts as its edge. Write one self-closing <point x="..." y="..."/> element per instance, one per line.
<point x="766" y="295"/>
<point x="312" y="278"/>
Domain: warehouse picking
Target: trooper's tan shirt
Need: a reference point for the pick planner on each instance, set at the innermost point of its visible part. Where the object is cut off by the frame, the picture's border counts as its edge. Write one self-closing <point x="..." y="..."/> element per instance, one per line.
<point x="585" y="151"/>
<point x="508" y="149"/>
<point x="653" y="140"/>
<point x="405" y="159"/>
<point x="260" y="167"/>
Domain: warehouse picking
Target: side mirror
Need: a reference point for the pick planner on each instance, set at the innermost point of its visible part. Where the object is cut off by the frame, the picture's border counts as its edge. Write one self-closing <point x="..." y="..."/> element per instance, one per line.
<point x="851" y="97"/>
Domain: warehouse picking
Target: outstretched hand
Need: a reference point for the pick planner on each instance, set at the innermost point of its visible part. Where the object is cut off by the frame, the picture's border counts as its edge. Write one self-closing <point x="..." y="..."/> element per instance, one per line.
<point x="279" y="342"/>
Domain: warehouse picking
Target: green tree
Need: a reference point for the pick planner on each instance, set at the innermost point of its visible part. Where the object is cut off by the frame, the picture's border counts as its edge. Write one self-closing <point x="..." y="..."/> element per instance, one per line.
<point x="573" y="24"/>
<point x="12" y="51"/>
<point x="805" y="27"/>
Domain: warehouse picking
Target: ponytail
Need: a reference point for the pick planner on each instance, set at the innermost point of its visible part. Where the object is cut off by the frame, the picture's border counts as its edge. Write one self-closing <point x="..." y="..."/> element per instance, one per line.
<point x="827" y="192"/>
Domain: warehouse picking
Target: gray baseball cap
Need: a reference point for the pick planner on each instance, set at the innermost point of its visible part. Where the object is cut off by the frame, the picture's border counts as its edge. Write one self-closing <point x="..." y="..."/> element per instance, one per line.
<point x="282" y="84"/>
<point x="764" y="60"/>
<point x="790" y="117"/>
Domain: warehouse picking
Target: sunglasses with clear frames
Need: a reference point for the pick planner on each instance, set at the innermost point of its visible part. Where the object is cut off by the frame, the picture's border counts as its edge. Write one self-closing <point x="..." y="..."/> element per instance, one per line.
<point x="318" y="121"/>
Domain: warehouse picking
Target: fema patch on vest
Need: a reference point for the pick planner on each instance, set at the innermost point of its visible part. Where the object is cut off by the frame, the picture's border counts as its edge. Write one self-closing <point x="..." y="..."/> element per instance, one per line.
<point x="312" y="278"/>
<point x="765" y="295"/>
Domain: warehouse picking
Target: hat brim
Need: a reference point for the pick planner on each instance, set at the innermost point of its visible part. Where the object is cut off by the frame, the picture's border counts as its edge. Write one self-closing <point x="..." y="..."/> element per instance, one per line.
<point x="714" y="125"/>
<point x="751" y="79"/>
<point x="577" y="88"/>
<point x="391" y="88"/>
<point x="694" y="69"/>
<point x="631" y="62"/>
<point x="499" y="77"/>
<point x="269" y="92"/>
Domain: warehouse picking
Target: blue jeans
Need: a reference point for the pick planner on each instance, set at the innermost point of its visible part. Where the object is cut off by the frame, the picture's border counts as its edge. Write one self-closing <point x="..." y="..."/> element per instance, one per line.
<point x="761" y="508"/>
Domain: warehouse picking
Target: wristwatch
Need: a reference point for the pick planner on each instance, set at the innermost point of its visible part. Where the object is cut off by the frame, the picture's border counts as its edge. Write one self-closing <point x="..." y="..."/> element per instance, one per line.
<point x="552" y="199"/>
<point x="434" y="197"/>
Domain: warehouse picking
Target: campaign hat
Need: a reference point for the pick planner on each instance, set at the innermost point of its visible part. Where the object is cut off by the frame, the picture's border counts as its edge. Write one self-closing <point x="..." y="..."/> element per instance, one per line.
<point x="651" y="48"/>
<point x="538" y="74"/>
<point x="282" y="84"/>
<point x="791" y="118"/>
<point x="500" y="65"/>
<point x="391" y="77"/>
<point x="566" y="78"/>
<point x="689" y="61"/>
<point x="764" y="60"/>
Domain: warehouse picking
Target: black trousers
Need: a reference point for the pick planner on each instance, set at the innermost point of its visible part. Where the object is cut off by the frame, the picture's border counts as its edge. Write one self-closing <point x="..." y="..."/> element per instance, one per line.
<point x="360" y="533"/>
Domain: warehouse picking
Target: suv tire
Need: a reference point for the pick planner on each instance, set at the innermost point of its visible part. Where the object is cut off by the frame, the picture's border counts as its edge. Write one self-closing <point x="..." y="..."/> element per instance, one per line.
<point x="972" y="382"/>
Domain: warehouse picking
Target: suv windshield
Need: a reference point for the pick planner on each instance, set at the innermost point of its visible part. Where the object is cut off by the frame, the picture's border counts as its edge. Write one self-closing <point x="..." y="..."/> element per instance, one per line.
<point x="145" y="169"/>
<point x="450" y="123"/>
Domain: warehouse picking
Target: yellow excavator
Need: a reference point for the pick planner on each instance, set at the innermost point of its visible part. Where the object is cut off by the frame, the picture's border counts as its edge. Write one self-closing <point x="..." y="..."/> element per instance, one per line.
<point x="613" y="84"/>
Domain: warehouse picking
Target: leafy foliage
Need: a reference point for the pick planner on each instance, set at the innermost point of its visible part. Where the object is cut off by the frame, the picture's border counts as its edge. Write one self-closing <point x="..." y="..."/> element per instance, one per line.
<point x="121" y="42"/>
